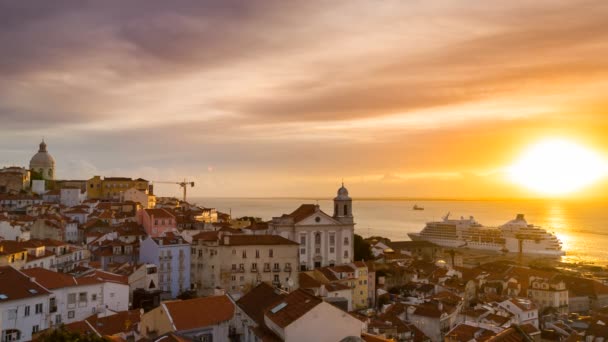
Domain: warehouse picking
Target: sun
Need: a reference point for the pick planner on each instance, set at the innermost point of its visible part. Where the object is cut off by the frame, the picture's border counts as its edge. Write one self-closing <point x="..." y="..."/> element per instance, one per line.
<point x="557" y="167"/>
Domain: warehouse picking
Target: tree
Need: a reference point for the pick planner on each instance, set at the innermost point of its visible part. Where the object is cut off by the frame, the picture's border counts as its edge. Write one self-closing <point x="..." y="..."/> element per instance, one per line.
<point x="362" y="249"/>
<point x="63" y="335"/>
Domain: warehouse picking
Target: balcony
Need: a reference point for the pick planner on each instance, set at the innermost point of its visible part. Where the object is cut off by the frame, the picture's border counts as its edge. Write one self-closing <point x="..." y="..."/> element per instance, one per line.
<point x="254" y="270"/>
<point x="241" y="270"/>
<point x="276" y="270"/>
<point x="266" y="269"/>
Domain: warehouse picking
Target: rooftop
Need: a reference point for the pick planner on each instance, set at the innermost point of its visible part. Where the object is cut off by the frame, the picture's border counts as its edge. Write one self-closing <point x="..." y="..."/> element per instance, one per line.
<point x="199" y="312"/>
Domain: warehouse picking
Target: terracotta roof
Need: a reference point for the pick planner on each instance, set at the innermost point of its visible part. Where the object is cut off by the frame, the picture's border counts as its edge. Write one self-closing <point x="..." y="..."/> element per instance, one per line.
<point x="99" y="275"/>
<point x="257" y="300"/>
<point x="513" y="334"/>
<point x="17" y="285"/>
<point x="199" y="312"/>
<point x="206" y="236"/>
<point x="465" y="332"/>
<point x="159" y="213"/>
<point x="244" y="240"/>
<point x="304" y="211"/>
<point x="307" y="282"/>
<point x="295" y="305"/>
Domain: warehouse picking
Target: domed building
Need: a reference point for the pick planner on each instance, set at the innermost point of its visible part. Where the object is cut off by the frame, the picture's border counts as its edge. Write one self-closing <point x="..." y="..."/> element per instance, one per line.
<point x="325" y="240"/>
<point x="43" y="163"/>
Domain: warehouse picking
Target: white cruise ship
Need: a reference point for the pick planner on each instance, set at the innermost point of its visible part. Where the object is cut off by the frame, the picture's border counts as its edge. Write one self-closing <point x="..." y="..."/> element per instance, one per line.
<point x="515" y="236"/>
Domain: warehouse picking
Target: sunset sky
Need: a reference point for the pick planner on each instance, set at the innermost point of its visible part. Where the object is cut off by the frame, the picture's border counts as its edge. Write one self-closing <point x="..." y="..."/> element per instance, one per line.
<point x="277" y="98"/>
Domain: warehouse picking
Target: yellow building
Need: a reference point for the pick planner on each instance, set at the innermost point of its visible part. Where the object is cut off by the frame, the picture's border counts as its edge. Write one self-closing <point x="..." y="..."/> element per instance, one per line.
<point x="113" y="187"/>
<point x="360" y="290"/>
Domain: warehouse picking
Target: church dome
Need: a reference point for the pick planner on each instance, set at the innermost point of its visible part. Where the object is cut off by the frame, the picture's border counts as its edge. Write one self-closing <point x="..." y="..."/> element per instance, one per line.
<point x="342" y="193"/>
<point x="42" y="159"/>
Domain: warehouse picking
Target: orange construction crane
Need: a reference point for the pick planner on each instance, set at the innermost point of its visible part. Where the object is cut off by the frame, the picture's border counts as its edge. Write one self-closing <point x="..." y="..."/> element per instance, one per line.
<point x="183" y="184"/>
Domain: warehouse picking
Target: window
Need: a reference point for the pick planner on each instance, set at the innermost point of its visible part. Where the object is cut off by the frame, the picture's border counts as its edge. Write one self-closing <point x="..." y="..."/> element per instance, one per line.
<point x="254" y="267"/>
<point x="277" y="267"/>
<point x="345" y="210"/>
<point x="12" y="314"/>
<point x="38" y="308"/>
<point x="57" y="319"/>
<point x="303" y="240"/>
<point x="276" y="279"/>
<point x="82" y="297"/>
<point x="257" y="253"/>
<point x="35" y="329"/>
<point x="267" y="267"/>
<point x="332" y="239"/>
<point x="318" y="250"/>
<point x="200" y="253"/>
<point x="332" y="250"/>
<point x="94" y="297"/>
<point x="234" y="267"/>
<point x="233" y="251"/>
<point x="302" y="250"/>
<point x="318" y="238"/>
<point x="71" y="314"/>
<point x="244" y="254"/>
<point x="346" y="241"/>
<point x="346" y="254"/>
<point x="241" y="267"/>
<point x="11" y="335"/>
<point x="270" y="253"/>
<point x="26" y="311"/>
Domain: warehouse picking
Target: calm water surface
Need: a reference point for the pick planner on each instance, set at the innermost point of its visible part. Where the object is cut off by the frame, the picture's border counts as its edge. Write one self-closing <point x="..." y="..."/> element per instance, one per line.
<point x="581" y="226"/>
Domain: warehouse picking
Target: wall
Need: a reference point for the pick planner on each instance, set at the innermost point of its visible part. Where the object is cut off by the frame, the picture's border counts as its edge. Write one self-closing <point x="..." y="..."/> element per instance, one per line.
<point x="306" y="328"/>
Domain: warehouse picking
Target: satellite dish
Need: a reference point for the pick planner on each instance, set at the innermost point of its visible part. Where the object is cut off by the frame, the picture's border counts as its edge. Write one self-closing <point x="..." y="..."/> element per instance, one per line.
<point x="290" y="282"/>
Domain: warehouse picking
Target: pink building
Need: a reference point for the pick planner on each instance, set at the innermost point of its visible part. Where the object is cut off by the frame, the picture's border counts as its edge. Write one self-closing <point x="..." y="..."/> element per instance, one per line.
<point x="156" y="222"/>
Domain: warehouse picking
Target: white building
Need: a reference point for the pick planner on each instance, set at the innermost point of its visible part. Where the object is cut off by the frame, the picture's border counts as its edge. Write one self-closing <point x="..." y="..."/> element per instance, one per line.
<point x="74" y="299"/>
<point x="13" y="231"/>
<point x="324" y="240"/>
<point x="71" y="197"/>
<point x="24" y="306"/>
<point x="523" y="310"/>
<point x="300" y="316"/>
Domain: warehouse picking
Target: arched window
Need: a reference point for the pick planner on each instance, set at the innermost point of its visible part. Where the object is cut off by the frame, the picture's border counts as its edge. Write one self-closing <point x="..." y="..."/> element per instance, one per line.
<point x="346" y="210"/>
<point x="318" y="238"/>
<point x="336" y="211"/>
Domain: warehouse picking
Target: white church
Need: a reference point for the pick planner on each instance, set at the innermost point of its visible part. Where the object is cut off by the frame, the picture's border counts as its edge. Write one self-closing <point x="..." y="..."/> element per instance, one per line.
<point x="324" y="240"/>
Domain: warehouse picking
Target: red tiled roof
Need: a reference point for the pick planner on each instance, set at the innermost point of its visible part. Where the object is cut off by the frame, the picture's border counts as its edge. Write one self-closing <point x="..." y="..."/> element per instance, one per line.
<point x="199" y="312"/>
<point x="159" y="213"/>
<point x="257" y="300"/>
<point x="17" y="285"/>
<point x="296" y="305"/>
<point x="307" y="282"/>
<point x="304" y="211"/>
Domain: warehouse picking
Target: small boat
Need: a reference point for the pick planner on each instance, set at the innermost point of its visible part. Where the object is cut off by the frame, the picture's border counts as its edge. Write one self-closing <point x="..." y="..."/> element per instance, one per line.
<point x="416" y="207"/>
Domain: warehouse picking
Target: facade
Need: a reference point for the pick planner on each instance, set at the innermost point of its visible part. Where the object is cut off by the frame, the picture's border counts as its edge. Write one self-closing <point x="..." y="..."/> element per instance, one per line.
<point x="523" y="310"/>
<point x="157" y="222"/>
<point x="74" y="299"/>
<point x="14" y="179"/>
<point x="549" y="293"/>
<point x="43" y="164"/>
<point x="15" y="231"/>
<point x="24" y="305"/>
<point x="112" y="187"/>
<point x="71" y="197"/>
<point x="202" y="319"/>
<point x="143" y="197"/>
<point x="172" y="255"/>
<point x="237" y="263"/>
<point x="324" y="240"/>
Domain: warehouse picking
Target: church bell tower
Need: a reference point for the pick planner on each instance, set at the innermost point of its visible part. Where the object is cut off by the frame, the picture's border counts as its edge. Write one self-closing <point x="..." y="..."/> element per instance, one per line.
<point x="343" y="206"/>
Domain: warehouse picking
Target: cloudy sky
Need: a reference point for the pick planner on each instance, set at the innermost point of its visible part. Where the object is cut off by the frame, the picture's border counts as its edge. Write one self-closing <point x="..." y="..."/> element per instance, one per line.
<point x="284" y="98"/>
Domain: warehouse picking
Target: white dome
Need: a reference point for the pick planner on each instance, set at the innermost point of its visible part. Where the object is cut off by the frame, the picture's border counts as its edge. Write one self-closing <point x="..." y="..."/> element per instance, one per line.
<point x="42" y="159"/>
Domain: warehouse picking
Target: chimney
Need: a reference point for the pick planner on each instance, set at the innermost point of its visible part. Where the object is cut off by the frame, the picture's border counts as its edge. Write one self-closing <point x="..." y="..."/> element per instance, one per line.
<point x="160" y="242"/>
<point x="33" y="279"/>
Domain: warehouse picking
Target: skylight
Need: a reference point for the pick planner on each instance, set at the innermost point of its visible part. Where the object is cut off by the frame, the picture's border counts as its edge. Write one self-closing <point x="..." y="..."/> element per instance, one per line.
<point x="32" y="291"/>
<point x="278" y="308"/>
<point x="3" y="296"/>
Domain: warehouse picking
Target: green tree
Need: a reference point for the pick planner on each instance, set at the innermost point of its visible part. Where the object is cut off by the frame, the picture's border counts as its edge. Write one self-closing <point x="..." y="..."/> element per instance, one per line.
<point x="62" y="335"/>
<point x="362" y="249"/>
